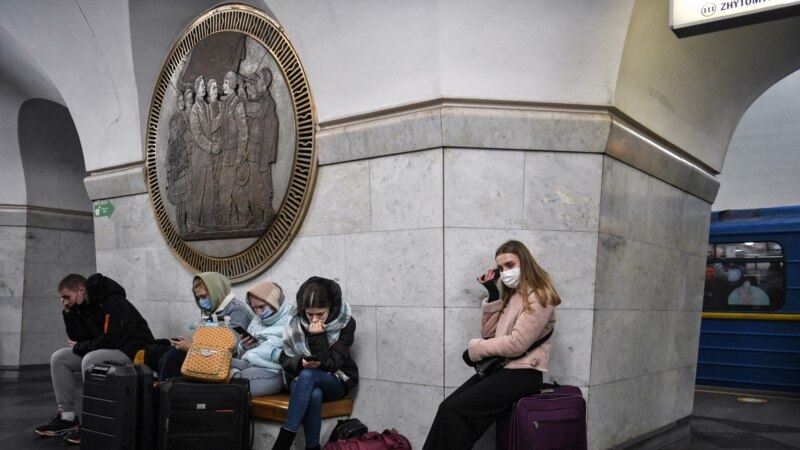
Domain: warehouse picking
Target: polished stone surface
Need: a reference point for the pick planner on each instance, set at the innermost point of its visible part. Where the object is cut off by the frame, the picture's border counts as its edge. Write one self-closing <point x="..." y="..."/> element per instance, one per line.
<point x="718" y="420"/>
<point x="341" y="201"/>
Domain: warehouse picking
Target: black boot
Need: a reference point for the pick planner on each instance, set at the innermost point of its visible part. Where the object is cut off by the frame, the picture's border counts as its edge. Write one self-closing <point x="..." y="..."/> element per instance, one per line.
<point x="285" y="439"/>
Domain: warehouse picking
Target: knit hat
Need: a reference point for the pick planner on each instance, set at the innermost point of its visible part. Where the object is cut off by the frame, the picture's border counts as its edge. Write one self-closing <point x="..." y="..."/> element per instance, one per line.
<point x="267" y="291"/>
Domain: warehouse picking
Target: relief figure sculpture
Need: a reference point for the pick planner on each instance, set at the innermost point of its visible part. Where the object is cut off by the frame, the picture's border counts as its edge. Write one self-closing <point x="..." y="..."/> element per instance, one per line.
<point x="233" y="209"/>
<point x="178" y="164"/>
<point x="201" y="217"/>
<point x="262" y="146"/>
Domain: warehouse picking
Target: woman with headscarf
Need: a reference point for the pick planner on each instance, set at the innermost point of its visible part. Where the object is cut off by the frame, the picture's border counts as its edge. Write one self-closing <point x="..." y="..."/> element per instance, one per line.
<point x="316" y="358"/>
<point x="260" y="360"/>
<point x="212" y="293"/>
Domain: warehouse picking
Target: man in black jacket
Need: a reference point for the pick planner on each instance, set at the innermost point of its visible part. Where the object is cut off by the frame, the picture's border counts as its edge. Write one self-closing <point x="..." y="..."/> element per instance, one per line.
<point x="101" y="325"/>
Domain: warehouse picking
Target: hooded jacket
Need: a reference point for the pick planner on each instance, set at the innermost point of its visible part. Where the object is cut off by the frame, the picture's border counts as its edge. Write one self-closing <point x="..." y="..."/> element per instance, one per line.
<point x="268" y="332"/>
<point x="333" y="356"/>
<point x="223" y="302"/>
<point x="106" y="320"/>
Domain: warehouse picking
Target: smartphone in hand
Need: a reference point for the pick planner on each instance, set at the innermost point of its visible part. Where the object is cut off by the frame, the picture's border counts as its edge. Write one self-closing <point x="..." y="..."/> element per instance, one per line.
<point x="311" y="358"/>
<point x="243" y="333"/>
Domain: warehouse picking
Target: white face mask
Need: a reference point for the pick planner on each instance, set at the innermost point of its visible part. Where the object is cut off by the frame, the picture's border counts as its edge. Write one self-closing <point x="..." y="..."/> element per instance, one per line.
<point x="510" y="277"/>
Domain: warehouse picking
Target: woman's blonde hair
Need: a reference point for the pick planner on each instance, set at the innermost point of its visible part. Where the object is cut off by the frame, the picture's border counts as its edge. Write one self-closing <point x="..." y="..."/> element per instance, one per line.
<point x="532" y="276"/>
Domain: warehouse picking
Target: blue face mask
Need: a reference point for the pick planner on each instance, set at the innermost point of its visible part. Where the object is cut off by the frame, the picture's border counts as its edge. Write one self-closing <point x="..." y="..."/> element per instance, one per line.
<point x="267" y="312"/>
<point x="205" y="303"/>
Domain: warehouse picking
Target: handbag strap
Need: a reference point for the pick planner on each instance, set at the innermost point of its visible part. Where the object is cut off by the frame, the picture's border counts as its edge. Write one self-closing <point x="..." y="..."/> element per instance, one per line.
<point x="533" y="346"/>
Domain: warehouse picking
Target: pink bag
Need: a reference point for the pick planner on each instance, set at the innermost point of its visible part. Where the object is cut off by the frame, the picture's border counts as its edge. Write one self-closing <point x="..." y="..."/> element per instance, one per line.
<point x="371" y="441"/>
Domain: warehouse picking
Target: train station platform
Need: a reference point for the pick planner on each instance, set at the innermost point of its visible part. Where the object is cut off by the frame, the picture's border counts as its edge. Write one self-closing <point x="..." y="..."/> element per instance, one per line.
<point x="722" y="418"/>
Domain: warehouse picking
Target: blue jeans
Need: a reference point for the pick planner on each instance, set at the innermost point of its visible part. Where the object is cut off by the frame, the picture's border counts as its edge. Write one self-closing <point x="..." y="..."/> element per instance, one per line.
<point x="305" y="403"/>
<point x="170" y="364"/>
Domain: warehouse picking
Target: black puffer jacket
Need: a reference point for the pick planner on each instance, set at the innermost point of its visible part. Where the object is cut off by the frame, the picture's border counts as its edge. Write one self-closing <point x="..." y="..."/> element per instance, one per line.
<point x="333" y="357"/>
<point x="106" y="320"/>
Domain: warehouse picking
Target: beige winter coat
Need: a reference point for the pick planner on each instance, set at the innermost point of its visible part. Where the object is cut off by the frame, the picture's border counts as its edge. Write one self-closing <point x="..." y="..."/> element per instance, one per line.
<point x="512" y="332"/>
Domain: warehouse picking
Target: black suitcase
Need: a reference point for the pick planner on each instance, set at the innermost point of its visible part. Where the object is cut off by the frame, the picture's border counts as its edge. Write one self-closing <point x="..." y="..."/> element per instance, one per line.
<point x="118" y="408"/>
<point x="200" y="416"/>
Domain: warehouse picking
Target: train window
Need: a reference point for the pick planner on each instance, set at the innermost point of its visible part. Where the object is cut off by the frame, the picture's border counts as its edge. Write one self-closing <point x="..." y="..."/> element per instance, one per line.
<point x="744" y="276"/>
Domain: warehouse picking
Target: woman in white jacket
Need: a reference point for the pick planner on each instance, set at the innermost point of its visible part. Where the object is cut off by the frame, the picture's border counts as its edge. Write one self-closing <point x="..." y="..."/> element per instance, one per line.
<point x="259" y="361"/>
<point x="523" y="312"/>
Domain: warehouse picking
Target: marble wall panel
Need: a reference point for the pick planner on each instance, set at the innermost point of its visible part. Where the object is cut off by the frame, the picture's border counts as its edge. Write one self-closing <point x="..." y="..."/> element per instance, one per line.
<point x="77" y="246"/>
<point x="416" y="130"/>
<point x="635" y="275"/>
<point x="569" y="257"/>
<point x="562" y="191"/>
<point x="394" y="268"/>
<point x="694" y="285"/>
<point x="664" y="214"/>
<point x="9" y="349"/>
<point x="134" y="222"/>
<point x="81" y="221"/>
<point x="629" y="343"/>
<point x="412" y="409"/>
<point x="105" y="233"/>
<point x="166" y="278"/>
<point x="524" y="129"/>
<point x="12" y="243"/>
<point x="571" y="353"/>
<point x="42" y="245"/>
<point x="12" y="278"/>
<point x="657" y="393"/>
<point x="308" y="256"/>
<point x="684" y="391"/>
<point x="341" y="201"/>
<point x="410" y="344"/>
<point x="42" y="278"/>
<point x="612" y="414"/>
<point x="182" y="314"/>
<point x="685" y="338"/>
<point x="157" y="315"/>
<point x="116" y="183"/>
<point x="483" y="188"/>
<point x="623" y="201"/>
<point x="406" y="191"/>
<point x="41" y="314"/>
<point x="36" y="348"/>
<point x="365" y="346"/>
<point x="696" y="221"/>
<point x="126" y="266"/>
<point x="11" y="319"/>
<point x="460" y="325"/>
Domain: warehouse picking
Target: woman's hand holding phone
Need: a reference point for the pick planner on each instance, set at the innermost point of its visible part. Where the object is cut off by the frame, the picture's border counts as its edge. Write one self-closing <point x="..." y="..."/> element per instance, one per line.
<point x="248" y="342"/>
<point x="181" y="343"/>
<point x="311" y="362"/>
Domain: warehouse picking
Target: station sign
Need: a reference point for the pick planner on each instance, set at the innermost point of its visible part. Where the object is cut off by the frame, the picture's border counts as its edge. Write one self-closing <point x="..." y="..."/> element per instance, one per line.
<point x="692" y="17"/>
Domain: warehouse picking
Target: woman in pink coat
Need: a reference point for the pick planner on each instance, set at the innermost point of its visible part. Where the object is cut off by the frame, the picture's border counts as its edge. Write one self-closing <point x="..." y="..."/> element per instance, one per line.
<point x="522" y="312"/>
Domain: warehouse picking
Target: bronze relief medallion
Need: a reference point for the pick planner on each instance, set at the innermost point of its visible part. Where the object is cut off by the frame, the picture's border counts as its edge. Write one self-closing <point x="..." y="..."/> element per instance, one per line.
<point x="231" y="159"/>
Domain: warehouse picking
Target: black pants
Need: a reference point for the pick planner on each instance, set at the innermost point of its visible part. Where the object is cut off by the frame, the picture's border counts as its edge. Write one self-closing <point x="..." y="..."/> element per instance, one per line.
<point x="468" y="412"/>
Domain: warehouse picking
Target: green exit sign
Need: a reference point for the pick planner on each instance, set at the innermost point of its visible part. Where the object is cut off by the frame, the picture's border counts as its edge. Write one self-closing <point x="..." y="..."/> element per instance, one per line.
<point x="103" y="210"/>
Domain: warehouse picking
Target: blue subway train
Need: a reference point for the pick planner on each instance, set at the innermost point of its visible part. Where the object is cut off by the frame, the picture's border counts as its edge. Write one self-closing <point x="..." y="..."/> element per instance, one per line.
<point x="750" y="332"/>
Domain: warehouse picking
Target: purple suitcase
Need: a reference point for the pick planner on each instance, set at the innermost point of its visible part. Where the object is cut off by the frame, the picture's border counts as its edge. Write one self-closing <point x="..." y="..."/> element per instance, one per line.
<point x="553" y="419"/>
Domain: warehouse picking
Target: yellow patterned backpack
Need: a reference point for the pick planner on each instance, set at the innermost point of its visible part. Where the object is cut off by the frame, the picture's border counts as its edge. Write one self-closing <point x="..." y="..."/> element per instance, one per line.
<point x="209" y="358"/>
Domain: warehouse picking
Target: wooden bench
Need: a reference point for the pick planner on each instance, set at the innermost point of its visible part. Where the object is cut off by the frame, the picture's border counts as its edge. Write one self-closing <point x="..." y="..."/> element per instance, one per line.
<point x="275" y="407"/>
<point x="269" y="414"/>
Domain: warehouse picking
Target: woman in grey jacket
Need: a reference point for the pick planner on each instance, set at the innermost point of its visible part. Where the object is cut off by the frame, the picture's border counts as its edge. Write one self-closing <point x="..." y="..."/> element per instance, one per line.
<point x="523" y="312"/>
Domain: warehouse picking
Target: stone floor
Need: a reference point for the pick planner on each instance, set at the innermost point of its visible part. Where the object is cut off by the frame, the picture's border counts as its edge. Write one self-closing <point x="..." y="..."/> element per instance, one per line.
<point x="720" y="420"/>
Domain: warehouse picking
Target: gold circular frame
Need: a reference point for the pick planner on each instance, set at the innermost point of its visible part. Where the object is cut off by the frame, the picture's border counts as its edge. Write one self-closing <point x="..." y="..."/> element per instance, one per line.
<point x="289" y="217"/>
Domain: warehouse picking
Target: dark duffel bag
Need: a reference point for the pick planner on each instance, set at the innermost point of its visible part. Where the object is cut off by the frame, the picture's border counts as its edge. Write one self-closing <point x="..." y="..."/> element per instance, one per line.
<point x="201" y="416"/>
<point x="118" y="407"/>
<point x="554" y="419"/>
<point x="371" y="440"/>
